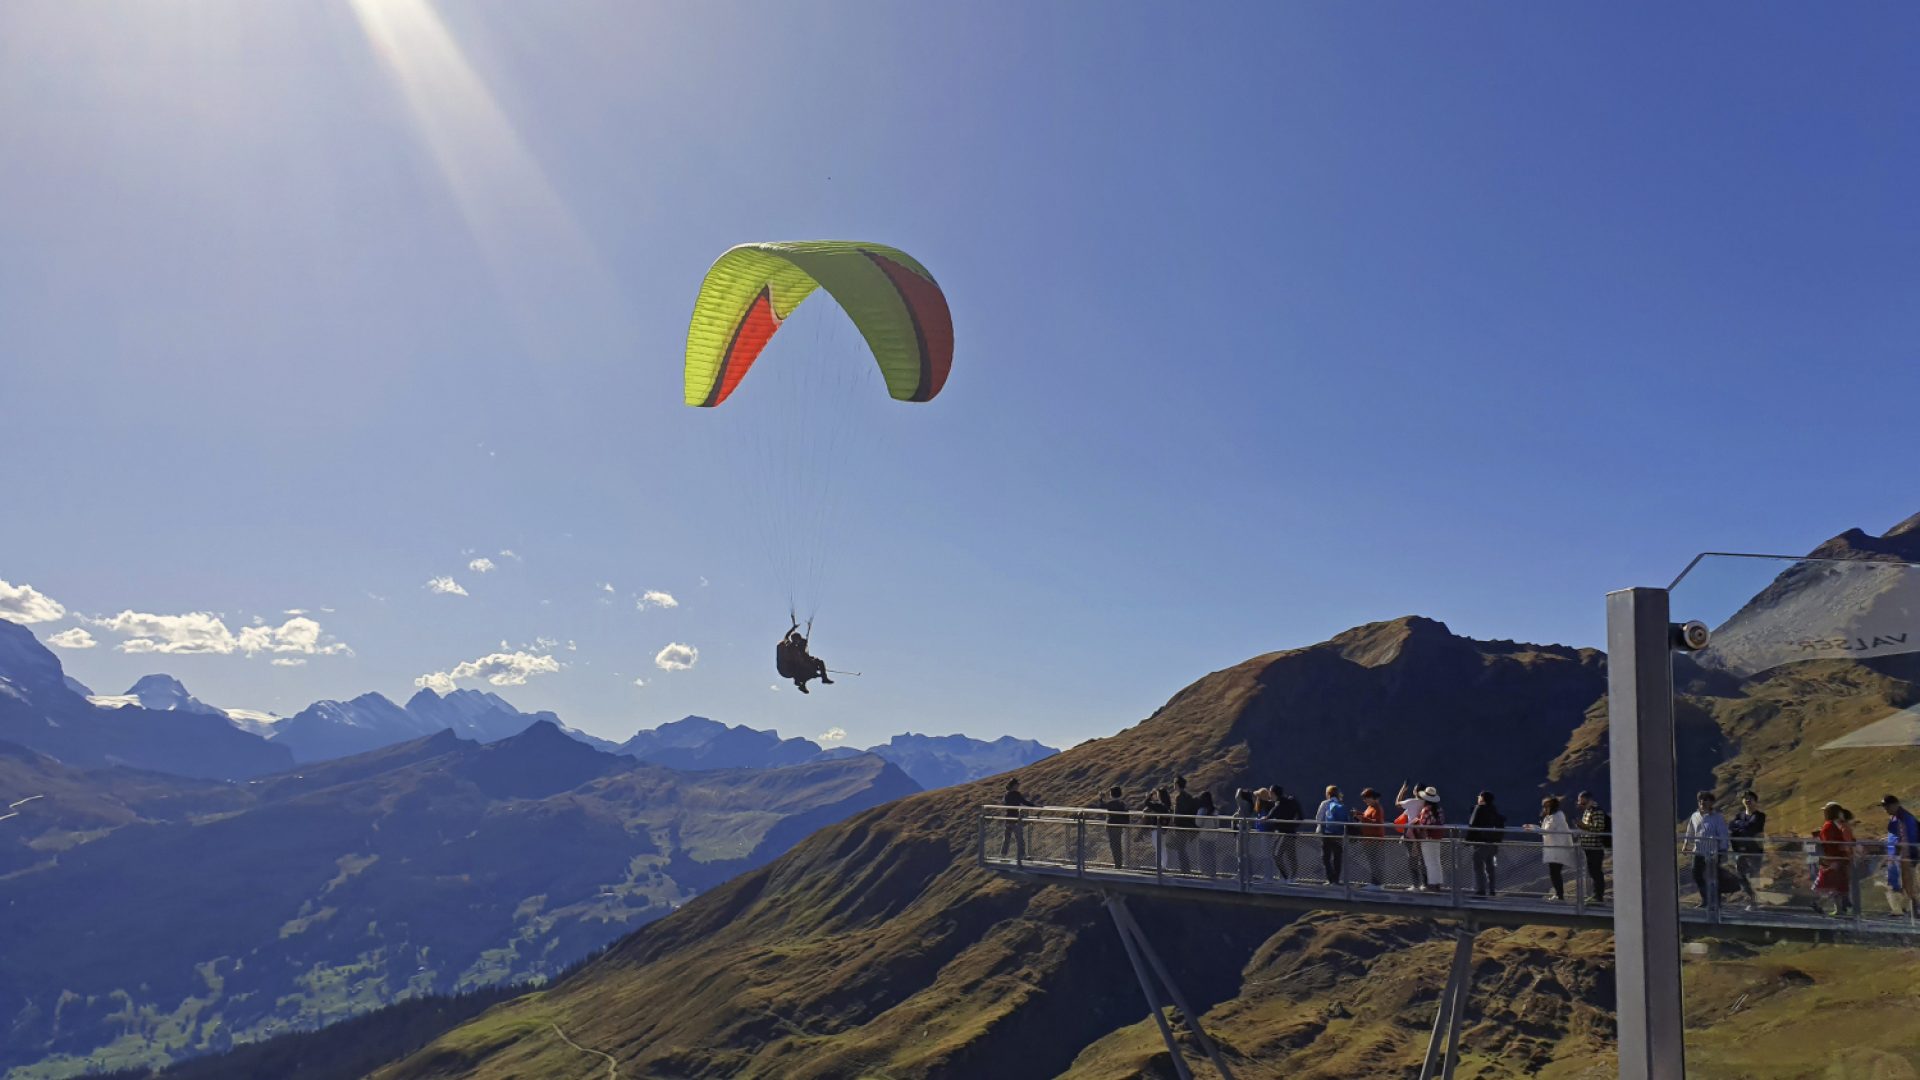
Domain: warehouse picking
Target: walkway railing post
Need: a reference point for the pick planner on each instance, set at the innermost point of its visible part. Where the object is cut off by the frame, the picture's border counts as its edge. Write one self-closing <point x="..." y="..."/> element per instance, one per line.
<point x="1646" y="938"/>
<point x="1579" y="873"/>
<point x="1245" y="847"/>
<point x="985" y="814"/>
<point x="1080" y="846"/>
<point x="1453" y="859"/>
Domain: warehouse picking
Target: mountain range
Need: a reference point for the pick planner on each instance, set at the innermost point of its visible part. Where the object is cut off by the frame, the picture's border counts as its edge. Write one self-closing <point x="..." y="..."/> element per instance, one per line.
<point x="94" y="729"/>
<point x="148" y="916"/>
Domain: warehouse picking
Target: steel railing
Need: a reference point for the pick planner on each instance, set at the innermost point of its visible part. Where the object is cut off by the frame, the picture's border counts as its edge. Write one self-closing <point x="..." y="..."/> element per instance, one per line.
<point x="1762" y="881"/>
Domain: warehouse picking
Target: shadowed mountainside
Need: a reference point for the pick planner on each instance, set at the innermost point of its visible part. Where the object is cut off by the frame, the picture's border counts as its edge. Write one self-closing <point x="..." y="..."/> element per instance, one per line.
<point x="147" y="916"/>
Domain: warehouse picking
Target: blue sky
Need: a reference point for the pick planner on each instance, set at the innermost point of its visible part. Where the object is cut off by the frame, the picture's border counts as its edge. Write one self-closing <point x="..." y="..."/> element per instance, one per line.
<point x="1269" y="321"/>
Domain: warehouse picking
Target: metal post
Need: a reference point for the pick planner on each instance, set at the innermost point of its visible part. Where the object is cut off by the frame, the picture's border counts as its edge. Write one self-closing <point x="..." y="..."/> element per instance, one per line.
<point x="1121" y="910"/>
<point x="1245" y="847"/>
<point x="1453" y="862"/>
<point x="1116" y="907"/>
<point x="1080" y="846"/>
<point x="1646" y="939"/>
<point x="1456" y="1019"/>
<point x="985" y="815"/>
<point x="1444" y="1015"/>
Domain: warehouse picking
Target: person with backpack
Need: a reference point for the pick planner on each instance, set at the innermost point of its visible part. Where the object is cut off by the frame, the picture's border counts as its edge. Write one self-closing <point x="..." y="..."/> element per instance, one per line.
<point x="1331" y="821"/>
<point x="1431" y="827"/>
<point x="1747" y="832"/>
<point x="1484" y="838"/>
<point x="1596" y="836"/>
<point x="1411" y="805"/>
<point x="1903" y="852"/>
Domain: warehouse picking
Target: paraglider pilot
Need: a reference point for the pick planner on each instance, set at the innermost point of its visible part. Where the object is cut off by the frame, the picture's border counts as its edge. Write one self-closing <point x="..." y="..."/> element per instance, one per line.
<point x="794" y="662"/>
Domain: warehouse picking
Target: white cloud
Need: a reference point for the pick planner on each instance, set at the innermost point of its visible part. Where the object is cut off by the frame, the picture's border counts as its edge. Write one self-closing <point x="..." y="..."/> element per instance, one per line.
<point x="833" y="735"/>
<point x="507" y="553"/>
<point x="297" y="635"/>
<point x="500" y="669"/>
<point x="76" y="638"/>
<point x="676" y="657"/>
<point x="481" y="565"/>
<point x="203" y="632"/>
<point x="606" y="586"/>
<point x="655" y="598"/>
<point x="294" y="611"/>
<point x="639" y="682"/>
<point x="444" y="585"/>
<point x="192" y="633"/>
<point x="288" y="661"/>
<point x="26" y="604"/>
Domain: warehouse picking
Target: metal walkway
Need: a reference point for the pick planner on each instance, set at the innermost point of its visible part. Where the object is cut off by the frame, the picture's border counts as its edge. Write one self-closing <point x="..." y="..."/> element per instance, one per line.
<point x="1764" y="896"/>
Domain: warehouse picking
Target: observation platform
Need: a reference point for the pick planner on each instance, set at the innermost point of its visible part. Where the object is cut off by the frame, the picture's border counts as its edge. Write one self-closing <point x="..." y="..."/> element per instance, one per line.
<point x="1392" y="875"/>
<point x="1502" y="877"/>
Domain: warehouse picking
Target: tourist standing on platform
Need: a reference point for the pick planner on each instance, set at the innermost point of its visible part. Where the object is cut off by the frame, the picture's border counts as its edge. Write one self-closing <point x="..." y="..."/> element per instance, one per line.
<point x="1118" y="817"/>
<point x="1596" y="836"/>
<point x="1483" y="833"/>
<point x="1371" y="833"/>
<point x="1431" y="825"/>
<point x="1184" y="806"/>
<point x="1836" y="859"/>
<point x="1286" y="815"/>
<point x="1156" y="813"/>
<point x="1263" y="822"/>
<point x="1707" y="839"/>
<point x="1747" y="832"/>
<point x="1331" y="821"/>
<point x="1903" y="852"/>
<point x="1411" y="805"/>
<point x="1244" y="810"/>
<point x="1556" y="845"/>
<point x="1014" y="835"/>
<point x="1205" y="817"/>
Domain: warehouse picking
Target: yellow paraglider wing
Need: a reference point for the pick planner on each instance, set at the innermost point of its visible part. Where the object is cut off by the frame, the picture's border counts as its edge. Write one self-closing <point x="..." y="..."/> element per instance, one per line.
<point x="751" y="290"/>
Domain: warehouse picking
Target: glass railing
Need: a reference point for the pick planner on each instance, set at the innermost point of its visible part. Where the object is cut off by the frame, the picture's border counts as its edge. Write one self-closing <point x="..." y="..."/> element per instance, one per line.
<point x="1808" y="698"/>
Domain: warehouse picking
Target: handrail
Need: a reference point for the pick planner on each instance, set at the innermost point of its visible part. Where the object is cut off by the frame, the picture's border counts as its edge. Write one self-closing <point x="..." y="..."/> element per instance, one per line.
<point x="1788" y="882"/>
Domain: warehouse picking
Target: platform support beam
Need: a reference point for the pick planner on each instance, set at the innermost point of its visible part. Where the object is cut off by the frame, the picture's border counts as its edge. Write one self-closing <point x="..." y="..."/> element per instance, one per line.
<point x="1451" y="1010"/>
<point x="1115" y="907"/>
<point x="1125" y="917"/>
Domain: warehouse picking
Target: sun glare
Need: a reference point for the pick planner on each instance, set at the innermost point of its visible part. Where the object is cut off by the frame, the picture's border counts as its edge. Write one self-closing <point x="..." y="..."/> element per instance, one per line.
<point x="531" y="240"/>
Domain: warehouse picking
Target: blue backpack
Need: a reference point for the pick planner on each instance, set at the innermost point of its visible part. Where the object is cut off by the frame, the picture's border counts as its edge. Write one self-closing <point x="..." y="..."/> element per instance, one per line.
<point x="1334" y="823"/>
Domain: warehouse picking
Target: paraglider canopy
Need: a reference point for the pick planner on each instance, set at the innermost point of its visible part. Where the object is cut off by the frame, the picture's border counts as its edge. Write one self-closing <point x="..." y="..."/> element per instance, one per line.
<point x="751" y="290"/>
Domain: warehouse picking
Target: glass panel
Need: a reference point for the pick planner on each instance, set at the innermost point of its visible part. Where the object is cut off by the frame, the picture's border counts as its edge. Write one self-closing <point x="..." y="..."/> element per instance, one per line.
<point x="1801" y="931"/>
